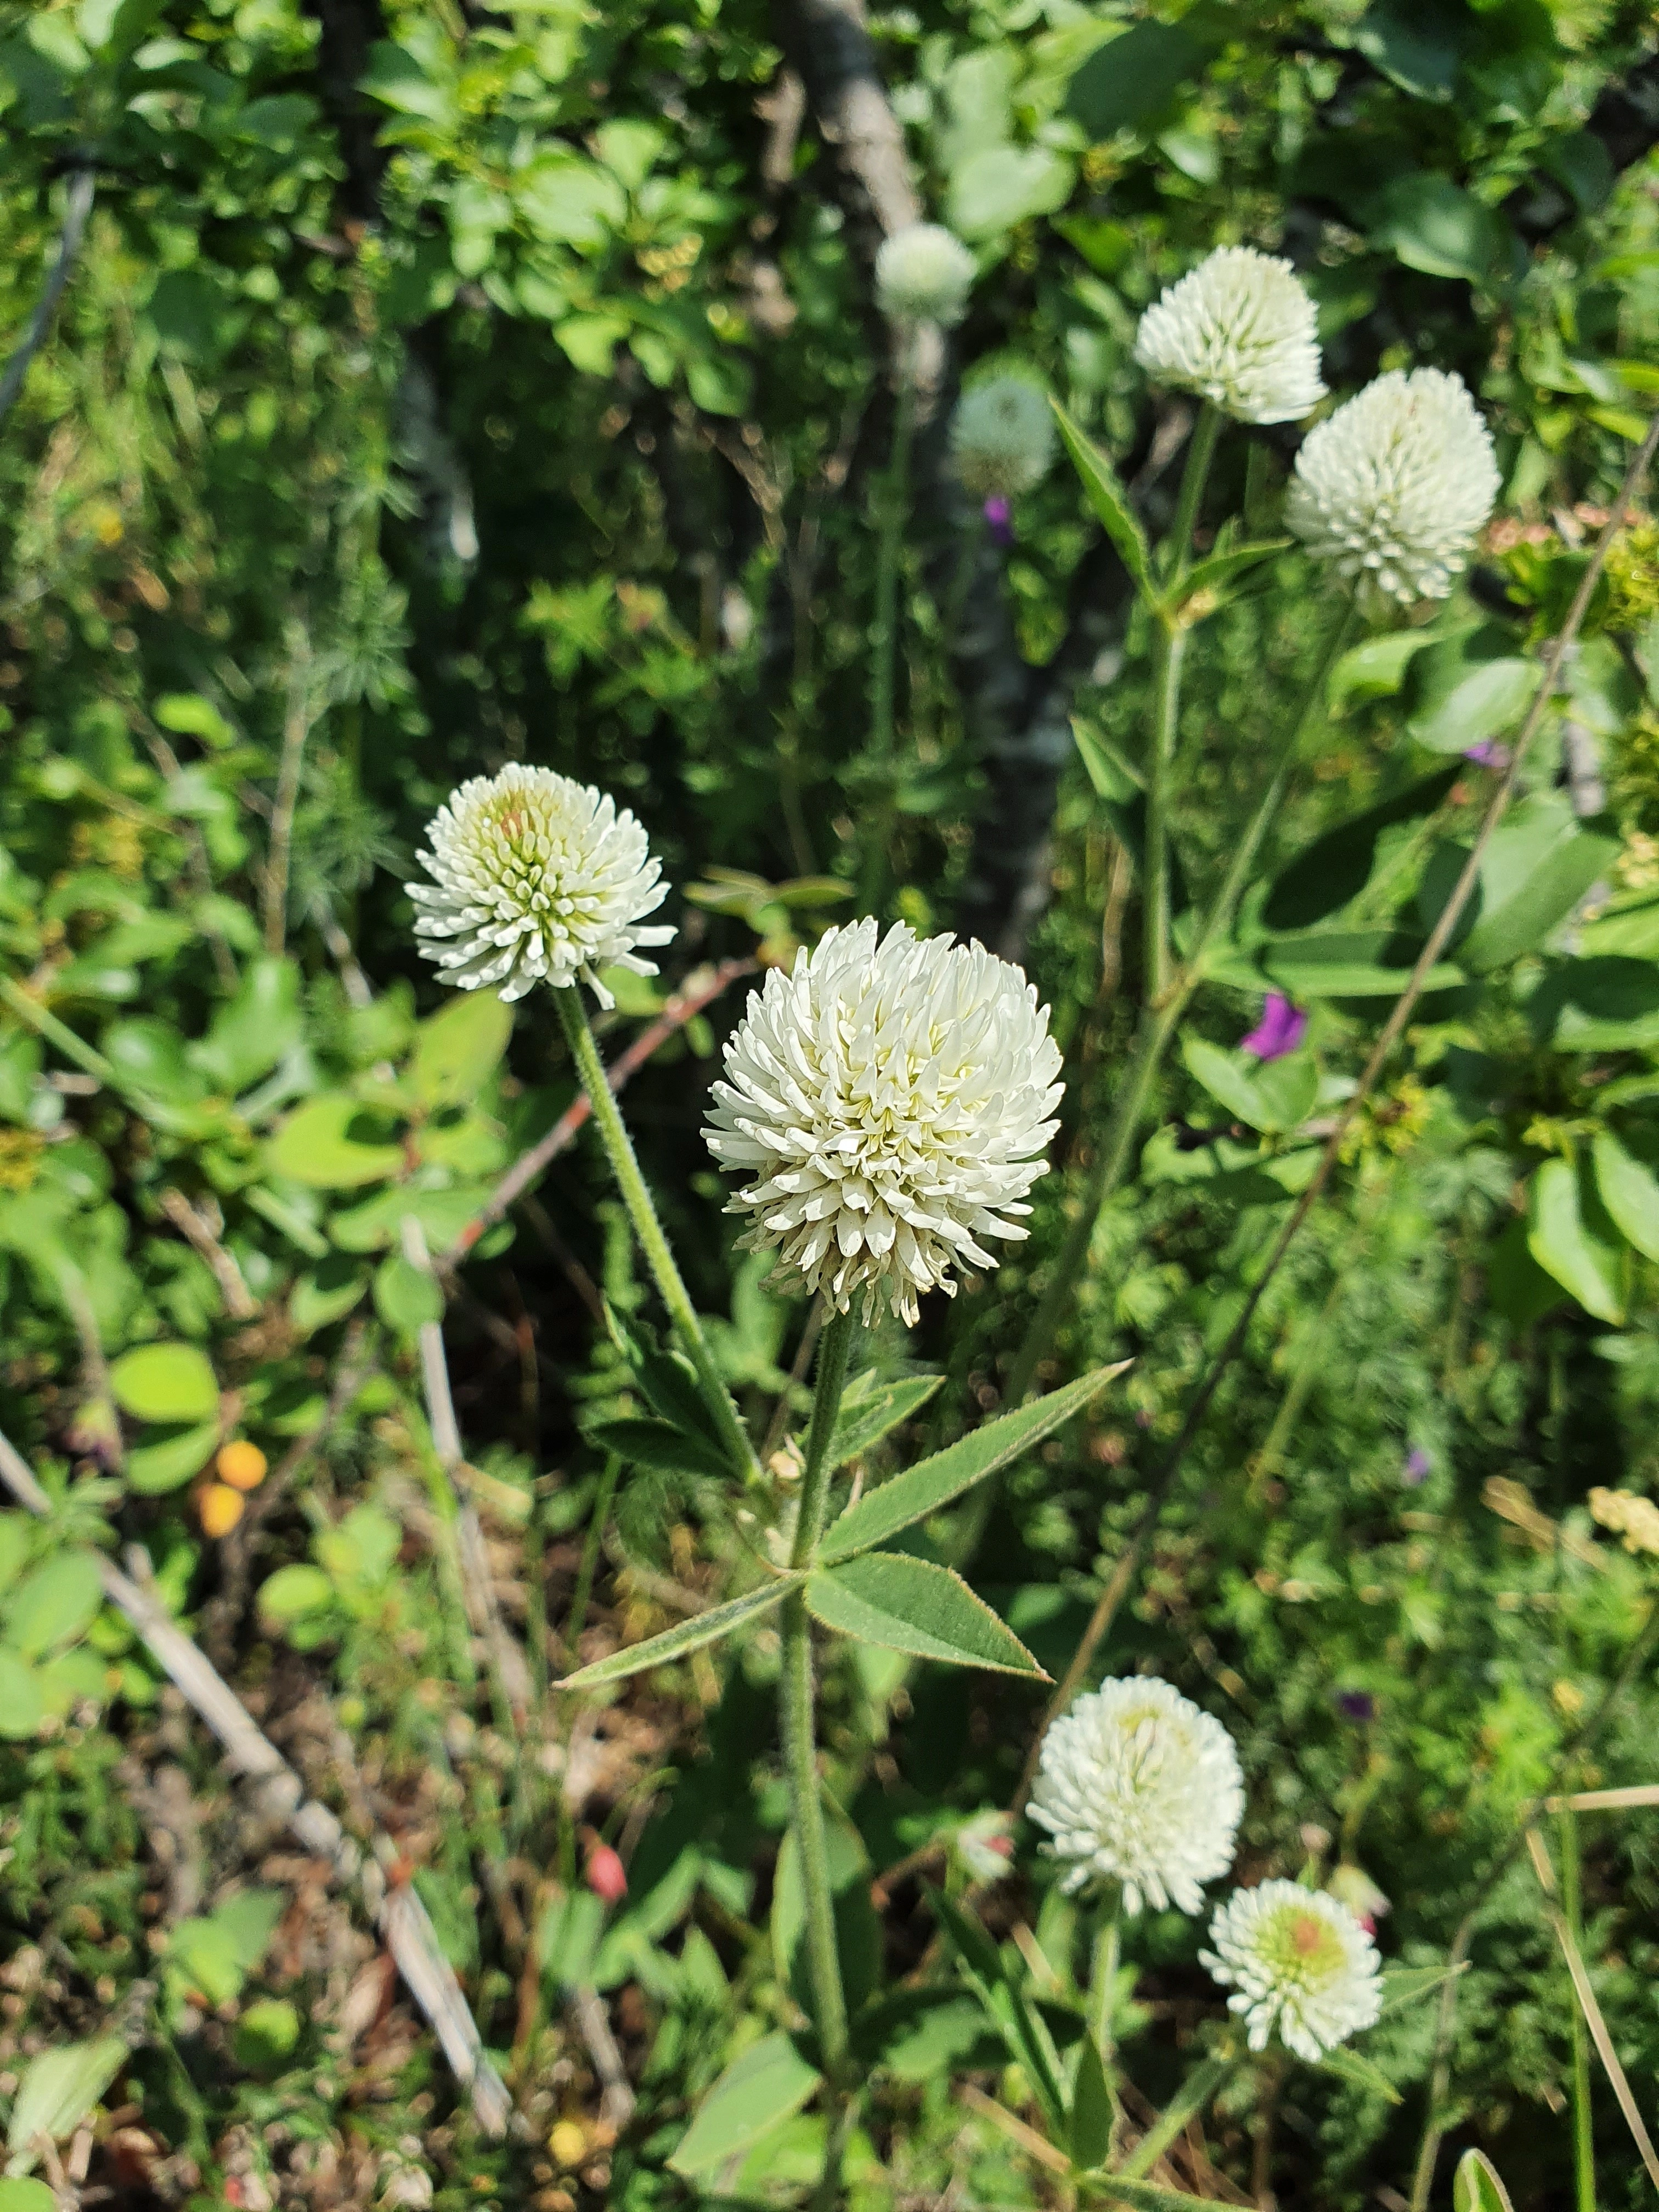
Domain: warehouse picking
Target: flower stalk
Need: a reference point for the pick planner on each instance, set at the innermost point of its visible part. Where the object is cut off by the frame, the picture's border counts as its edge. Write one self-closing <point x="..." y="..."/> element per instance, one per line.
<point x="642" y="1212"/>
<point x="1158" y="1024"/>
<point x="798" y="1709"/>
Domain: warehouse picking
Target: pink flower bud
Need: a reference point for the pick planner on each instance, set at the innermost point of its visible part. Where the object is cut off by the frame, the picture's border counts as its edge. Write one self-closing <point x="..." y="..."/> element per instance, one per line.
<point x="607" y="1877"/>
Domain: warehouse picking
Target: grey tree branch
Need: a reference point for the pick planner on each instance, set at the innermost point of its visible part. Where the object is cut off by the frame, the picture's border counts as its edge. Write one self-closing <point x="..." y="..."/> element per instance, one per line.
<point x="280" y="1793"/>
<point x="77" y="207"/>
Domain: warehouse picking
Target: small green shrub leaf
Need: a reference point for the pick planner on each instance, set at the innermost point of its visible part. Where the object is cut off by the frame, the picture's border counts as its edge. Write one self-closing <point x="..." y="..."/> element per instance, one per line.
<point x="905" y="1604"/>
<point x="58" y="2091"/>
<point x="165" y="1383"/>
<point x="459" y="1048"/>
<point x="293" y="1592"/>
<point x="1571" y="1237"/>
<point x="931" y="1483"/>
<point x="1630" y="1191"/>
<point x="153" y="1469"/>
<point x="55" y="1604"/>
<point x="22" y="1697"/>
<point x="333" y="1143"/>
<point x="768" y="2084"/>
<point x="690" y="1636"/>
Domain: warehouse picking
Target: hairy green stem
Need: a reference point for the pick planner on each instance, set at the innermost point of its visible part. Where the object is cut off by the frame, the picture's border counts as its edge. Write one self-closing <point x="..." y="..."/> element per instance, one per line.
<point x="1158" y="1025"/>
<point x="798" y="1707"/>
<point x="636" y="1197"/>
<point x="1170" y="656"/>
<point x="889" y="548"/>
<point x="834" y="1343"/>
<point x="1584" y="2139"/>
<point x="1103" y="1978"/>
<point x="1193" y="477"/>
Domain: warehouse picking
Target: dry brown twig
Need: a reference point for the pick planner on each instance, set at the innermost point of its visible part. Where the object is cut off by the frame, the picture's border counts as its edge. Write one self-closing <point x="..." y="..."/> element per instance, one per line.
<point x="279" y="1795"/>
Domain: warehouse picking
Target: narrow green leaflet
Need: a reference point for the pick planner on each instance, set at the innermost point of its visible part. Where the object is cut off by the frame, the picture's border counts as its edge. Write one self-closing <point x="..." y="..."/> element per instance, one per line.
<point x="1353" y="2066"/>
<point x="1476" y="2187"/>
<point x="768" y="2084"/>
<point x="1630" y="1191"/>
<point x="903" y="1604"/>
<point x="1091" y="2109"/>
<point x="1025" y="2032"/>
<point x="690" y="1636"/>
<point x="1109" y="502"/>
<point x="1407" y="1985"/>
<point x="1207" y="582"/>
<point x="867" y="1414"/>
<point x="658" y="1445"/>
<point x="922" y="1489"/>
<point x="1151" y="2196"/>
<point x="457" y="1049"/>
<point x="58" y="2091"/>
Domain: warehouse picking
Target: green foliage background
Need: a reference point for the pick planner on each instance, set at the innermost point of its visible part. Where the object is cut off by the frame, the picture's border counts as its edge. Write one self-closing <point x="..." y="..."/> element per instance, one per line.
<point x="441" y="384"/>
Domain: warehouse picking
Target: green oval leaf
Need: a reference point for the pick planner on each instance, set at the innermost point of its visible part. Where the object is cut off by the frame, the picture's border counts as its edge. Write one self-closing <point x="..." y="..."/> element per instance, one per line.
<point x="22" y="1699"/>
<point x="922" y="1489"/>
<point x="769" y="2083"/>
<point x="165" y="1383"/>
<point x="333" y="1143"/>
<point x="154" y="1469"/>
<point x="904" y="1604"/>
<point x="459" y="1048"/>
<point x="1630" y="1191"/>
<point x="406" y="1298"/>
<point x="1571" y="1236"/>
<point x="58" y="2090"/>
<point x="54" y="1605"/>
<point x="293" y="1592"/>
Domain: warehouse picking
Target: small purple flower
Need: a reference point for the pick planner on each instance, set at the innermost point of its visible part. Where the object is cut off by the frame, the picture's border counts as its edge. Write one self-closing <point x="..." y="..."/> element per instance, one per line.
<point x="1488" y="754"/>
<point x="1417" y="1468"/>
<point x="1281" y="1029"/>
<point x="998" y="521"/>
<point x="1357" y="1705"/>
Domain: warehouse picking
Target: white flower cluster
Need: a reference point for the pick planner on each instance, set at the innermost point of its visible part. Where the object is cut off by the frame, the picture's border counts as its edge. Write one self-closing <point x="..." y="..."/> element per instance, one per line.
<point x="1138" y="1786"/>
<point x="1393" y="488"/>
<point x="891" y="1098"/>
<point x="1002" y="437"/>
<point x="924" y="274"/>
<point x="537" y="879"/>
<point x="1238" y="330"/>
<point x="1296" y="1961"/>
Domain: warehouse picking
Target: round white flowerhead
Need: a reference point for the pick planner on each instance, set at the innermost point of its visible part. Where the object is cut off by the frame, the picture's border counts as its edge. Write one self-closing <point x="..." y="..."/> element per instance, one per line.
<point x="1002" y="437"/>
<point x="537" y="879"/>
<point x="1138" y="1786"/>
<point x="1394" y="486"/>
<point x="924" y="274"/>
<point x="1297" y="1960"/>
<point x="1239" y="330"/>
<point x="891" y="1097"/>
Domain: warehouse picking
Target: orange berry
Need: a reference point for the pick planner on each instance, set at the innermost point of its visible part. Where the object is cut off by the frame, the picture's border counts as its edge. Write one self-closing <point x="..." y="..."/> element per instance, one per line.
<point x="220" y="1508"/>
<point x="242" y="1465"/>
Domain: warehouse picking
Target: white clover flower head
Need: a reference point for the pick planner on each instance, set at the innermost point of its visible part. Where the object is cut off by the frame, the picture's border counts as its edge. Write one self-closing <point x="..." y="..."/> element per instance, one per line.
<point x="538" y="879"/>
<point x="1002" y="437"/>
<point x="891" y="1097"/>
<point x="1393" y="488"/>
<point x="1297" y="1960"/>
<point x="924" y="274"/>
<point x="1136" y="1785"/>
<point x="1239" y="330"/>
